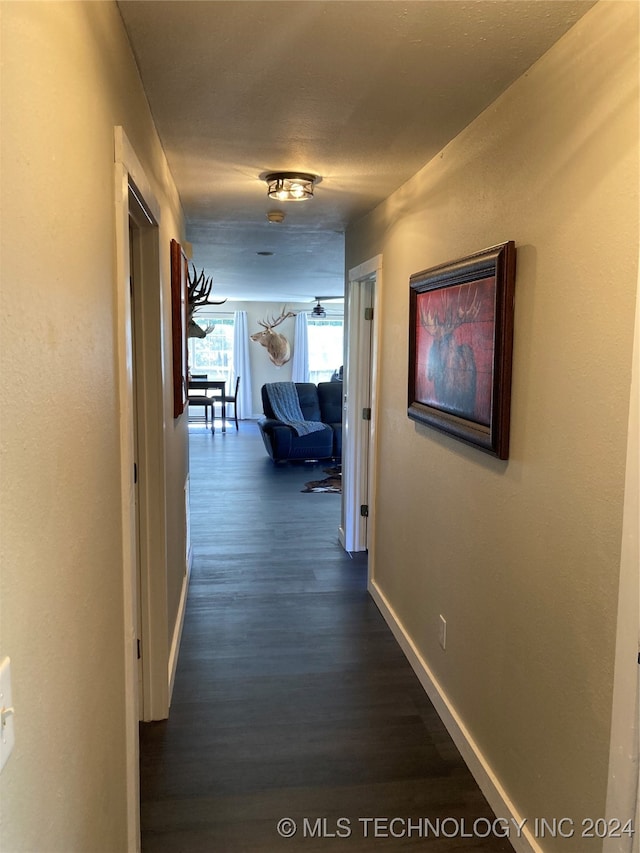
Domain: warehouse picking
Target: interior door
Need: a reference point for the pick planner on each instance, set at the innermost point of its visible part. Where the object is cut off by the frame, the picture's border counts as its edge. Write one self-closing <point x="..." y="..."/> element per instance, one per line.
<point x="149" y="460"/>
<point x="135" y="344"/>
<point x="359" y="408"/>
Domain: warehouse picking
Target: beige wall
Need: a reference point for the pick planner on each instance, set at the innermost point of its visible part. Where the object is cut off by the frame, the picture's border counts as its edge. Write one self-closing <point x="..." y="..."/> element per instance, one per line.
<point x="67" y="78"/>
<point x="522" y="557"/>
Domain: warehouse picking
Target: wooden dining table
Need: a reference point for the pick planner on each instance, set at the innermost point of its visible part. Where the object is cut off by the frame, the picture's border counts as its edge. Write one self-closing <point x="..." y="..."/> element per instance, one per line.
<point x="219" y="387"/>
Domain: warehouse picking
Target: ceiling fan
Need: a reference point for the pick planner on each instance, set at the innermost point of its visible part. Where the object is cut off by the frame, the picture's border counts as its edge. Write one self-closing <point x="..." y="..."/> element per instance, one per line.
<point x="318" y="309"/>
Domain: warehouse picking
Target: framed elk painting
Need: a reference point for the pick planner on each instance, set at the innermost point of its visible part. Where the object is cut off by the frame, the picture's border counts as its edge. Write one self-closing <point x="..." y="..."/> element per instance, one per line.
<point x="179" y="327"/>
<point x="460" y="346"/>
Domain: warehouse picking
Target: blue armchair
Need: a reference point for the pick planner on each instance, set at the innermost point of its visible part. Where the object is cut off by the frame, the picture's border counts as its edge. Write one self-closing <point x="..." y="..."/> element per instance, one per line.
<point x="322" y="402"/>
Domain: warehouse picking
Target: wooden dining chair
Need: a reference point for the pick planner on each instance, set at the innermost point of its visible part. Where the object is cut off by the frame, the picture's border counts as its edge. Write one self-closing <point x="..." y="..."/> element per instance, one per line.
<point x="199" y="398"/>
<point x="232" y="400"/>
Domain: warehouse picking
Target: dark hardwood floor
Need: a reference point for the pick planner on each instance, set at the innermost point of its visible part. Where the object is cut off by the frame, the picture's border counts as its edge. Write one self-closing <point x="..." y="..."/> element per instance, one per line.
<point x="292" y="699"/>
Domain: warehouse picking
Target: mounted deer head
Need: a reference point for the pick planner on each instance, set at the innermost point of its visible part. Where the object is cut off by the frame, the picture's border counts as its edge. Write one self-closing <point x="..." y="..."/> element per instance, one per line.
<point x="199" y="289"/>
<point x="277" y="345"/>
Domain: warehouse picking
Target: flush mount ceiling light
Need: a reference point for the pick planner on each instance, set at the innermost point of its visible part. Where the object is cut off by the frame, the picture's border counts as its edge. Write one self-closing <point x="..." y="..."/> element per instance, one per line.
<point x="290" y="186"/>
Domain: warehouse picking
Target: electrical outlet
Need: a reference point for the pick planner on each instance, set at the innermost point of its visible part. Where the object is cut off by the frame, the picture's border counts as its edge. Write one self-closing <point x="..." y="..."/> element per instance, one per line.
<point x="443" y="632"/>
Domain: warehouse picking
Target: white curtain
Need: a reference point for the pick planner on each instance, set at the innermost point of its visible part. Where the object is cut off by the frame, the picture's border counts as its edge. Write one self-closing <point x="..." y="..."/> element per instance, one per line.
<point x="241" y="366"/>
<point x="300" y="363"/>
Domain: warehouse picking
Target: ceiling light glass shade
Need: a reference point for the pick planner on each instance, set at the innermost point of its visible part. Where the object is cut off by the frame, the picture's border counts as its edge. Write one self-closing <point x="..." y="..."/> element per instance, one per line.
<point x="290" y="186"/>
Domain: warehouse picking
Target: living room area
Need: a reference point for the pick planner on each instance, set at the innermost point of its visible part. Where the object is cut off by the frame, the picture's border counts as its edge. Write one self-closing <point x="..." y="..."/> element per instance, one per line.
<point x="227" y="347"/>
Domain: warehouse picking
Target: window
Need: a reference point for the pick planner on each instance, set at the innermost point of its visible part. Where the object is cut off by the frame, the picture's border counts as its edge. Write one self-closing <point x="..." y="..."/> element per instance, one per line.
<point x="213" y="354"/>
<point x="324" y="338"/>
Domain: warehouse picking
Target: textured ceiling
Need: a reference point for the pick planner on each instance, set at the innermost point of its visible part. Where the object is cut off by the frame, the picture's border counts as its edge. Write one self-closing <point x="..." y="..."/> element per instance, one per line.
<point x="361" y="93"/>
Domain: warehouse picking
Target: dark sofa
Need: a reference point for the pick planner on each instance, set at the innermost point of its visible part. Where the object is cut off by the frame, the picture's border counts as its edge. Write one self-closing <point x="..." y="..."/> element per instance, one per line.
<point x="322" y="402"/>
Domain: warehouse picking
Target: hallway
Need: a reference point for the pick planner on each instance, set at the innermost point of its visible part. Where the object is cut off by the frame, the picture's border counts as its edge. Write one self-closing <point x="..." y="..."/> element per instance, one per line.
<point x="292" y="698"/>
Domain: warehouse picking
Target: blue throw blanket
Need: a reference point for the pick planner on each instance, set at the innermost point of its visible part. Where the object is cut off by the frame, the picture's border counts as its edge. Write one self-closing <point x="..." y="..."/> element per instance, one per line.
<point x="286" y="407"/>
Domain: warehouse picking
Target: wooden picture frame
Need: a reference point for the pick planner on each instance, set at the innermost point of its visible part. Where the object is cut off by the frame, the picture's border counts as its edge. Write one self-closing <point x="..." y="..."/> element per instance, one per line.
<point x="179" y="298"/>
<point x="460" y="347"/>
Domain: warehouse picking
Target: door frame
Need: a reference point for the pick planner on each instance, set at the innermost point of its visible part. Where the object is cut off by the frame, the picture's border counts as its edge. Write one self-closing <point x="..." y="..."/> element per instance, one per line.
<point x="624" y="758"/>
<point x="149" y="409"/>
<point x="130" y="181"/>
<point x="361" y="391"/>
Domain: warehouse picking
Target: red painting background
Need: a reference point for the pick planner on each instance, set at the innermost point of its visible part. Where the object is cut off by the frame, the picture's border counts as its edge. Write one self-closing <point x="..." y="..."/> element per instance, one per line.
<point x="478" y="334"/>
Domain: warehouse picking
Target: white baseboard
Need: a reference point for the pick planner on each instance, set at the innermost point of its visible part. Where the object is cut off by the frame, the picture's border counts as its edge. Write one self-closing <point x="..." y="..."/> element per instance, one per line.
<point x="523" y="841"/>
<point x="177" y="630"/>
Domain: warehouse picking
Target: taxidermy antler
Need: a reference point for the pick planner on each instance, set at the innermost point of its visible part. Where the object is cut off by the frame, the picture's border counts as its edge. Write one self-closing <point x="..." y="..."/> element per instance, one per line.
<point x="199" y="289"/>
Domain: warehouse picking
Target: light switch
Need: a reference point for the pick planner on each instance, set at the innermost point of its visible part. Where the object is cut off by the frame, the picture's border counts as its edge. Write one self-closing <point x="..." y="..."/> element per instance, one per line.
<point x="7" y="736"/>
